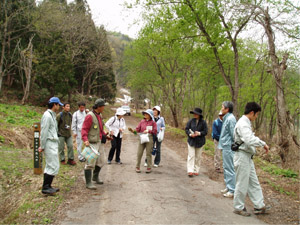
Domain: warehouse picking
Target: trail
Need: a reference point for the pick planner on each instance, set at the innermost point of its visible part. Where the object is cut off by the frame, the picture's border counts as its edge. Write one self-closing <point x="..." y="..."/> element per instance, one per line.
<point x="165" y="196"/>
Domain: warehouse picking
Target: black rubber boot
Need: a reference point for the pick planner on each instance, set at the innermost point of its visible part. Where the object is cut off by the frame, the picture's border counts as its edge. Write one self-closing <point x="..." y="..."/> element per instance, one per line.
<point x="47" y="185"/>
<point x="88" y="180"/>
<point x="96" y="175"/>
<point x="51" y="179"/>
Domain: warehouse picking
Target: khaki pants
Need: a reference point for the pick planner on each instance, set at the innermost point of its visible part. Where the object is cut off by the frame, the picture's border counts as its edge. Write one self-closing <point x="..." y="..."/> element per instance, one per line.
<point x="246" y="182"/>
<point x="217" y="156"/>
<point x="101" y="158"/>
<point x="61" y="147"/>
<point x="194" y="159"/>
<point x="141" y="147"/>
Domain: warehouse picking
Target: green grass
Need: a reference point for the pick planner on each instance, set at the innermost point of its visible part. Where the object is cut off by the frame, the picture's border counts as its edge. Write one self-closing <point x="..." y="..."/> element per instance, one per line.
<point x="280" y="189"/>
<point x="15" y="115"/>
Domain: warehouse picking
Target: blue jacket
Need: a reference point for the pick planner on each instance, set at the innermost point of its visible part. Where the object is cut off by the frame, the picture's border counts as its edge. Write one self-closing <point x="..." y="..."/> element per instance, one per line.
<point x="216" y="129"/>
<point x="226" y="136"/>
<point x="160" y="123"/>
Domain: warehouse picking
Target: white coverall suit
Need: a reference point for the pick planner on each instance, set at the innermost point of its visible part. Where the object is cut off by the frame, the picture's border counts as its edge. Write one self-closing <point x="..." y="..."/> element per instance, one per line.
<point x="246" y="178"/>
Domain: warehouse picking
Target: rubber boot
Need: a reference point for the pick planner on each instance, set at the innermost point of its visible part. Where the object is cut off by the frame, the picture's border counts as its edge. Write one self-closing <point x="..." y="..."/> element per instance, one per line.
<point x="96" y="175"/>
<point x="51" y="179"/>
<point x="88" y="179"/>
<point x="47" y="185"/>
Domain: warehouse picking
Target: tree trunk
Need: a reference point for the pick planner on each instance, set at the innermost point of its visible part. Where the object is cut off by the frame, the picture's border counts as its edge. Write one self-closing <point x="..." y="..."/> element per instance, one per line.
<point x="289" y="151"/>
<point x="26" y="61"/>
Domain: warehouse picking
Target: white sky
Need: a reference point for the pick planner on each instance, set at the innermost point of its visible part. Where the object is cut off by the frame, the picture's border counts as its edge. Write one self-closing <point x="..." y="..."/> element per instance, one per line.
<point x="115" y="16"/>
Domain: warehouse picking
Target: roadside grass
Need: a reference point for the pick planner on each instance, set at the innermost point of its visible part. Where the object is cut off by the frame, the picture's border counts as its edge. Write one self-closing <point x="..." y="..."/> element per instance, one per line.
<point x="21" y="198"/>
<point x="19" y="116"/>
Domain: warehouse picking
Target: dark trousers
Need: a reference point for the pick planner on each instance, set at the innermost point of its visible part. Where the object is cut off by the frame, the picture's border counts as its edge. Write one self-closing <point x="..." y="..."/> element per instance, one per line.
<point x="116" y="143"/>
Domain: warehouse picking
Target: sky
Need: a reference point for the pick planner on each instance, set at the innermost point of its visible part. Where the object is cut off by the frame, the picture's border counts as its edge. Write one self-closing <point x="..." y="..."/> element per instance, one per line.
<point x="115" y="16"/>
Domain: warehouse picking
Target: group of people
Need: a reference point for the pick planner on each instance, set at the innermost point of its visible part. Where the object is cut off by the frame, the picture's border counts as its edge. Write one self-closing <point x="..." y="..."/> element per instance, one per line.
<point x="237" y="143"/>
<point x="88" y="127"/>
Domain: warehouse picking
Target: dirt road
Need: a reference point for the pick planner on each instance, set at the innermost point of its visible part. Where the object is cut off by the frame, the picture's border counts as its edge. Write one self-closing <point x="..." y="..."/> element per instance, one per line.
<point x="165" y="196"/>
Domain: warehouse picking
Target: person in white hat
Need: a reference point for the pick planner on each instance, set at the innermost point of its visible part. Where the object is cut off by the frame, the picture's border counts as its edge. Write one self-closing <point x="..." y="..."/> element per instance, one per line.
<point x="116" y="126"/>
<point x="160" y="123"/>
<point x="216" y="131"/>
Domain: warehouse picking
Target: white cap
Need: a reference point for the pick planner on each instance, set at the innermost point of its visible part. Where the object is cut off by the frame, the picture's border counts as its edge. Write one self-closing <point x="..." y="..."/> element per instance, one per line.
<point x="157" y="108"/>
<point x="120" y="112"/>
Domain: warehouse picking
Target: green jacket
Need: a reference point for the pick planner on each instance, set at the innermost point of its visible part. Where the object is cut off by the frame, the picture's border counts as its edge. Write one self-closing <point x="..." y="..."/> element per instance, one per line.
<point x="64" y="121"/>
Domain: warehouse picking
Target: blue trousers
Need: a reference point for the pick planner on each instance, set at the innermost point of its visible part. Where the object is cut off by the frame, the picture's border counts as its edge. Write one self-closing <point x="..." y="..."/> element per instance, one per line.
<point x="229" y="173"/>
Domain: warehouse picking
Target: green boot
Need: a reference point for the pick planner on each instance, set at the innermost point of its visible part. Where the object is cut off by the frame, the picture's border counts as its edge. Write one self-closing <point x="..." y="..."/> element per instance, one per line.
<point x="96" y="175"/>
<point x="88" y="179"/>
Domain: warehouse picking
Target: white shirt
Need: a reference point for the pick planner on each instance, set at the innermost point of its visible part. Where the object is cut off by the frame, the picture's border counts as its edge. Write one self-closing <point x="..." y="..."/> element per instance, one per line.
<point x="243" y="132"/>
<point x="114" y="124"/>
<point x="77" y="121"/>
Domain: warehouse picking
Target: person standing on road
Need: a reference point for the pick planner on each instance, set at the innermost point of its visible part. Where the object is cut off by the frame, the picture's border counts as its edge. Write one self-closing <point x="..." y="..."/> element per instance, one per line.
<point x="160" y="123"/>
<point x="49" y="145"/>
<point x="225" y="141"/>
<point x="92" y="133"/>
<point x="116" y="126"/>
<point x="246" y="178"/>
<point x="196" y="129"/>
<point x="216" y="131"/>
<point x="146" y="126"/>
<point x="64" y="121"/>
<point x="77" y="121"/>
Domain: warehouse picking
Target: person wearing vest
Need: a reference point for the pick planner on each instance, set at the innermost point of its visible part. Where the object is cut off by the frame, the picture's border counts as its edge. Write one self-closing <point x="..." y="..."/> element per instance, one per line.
<point x="77" y="121"/>
<point x="92" y="133"/>
<point x="64" y="121"/>
<point x="116" y="126"/>
<point x="216" y="131"/>
<point x="49" y="145"/>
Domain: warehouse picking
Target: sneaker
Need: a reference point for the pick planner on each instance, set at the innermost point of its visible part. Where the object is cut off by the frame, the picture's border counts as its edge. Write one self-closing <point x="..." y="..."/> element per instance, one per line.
<point x="108" y="161"/>
<point x="137" y="170"/>
<point x="82" y="160"/>
<point x="155" y="165"/>
<point x="145" y="165"/>
<point x="71" y="162"/>
<point x="148" y="170"/>
<point x="119" y="162"/>
<point x="242" y="212"/>
<point x="224" y="191"/>
<point x="190" y="174"/>
<point x="263" y="210"/>
<point x="63" y="162"/>
<point x="196" y="174"/>
<point x="228" y="195"/>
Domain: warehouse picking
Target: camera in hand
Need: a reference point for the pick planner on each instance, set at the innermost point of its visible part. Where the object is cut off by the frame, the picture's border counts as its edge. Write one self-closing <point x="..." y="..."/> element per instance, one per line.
<point x="235" y="146"/>
<point x="67" y="127"/>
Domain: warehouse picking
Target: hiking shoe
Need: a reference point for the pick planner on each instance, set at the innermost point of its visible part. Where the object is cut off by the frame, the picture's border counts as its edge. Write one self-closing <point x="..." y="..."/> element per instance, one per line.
<point x="137" y="170"/>
<point x="224" y="191"/>
<point x="242" y="212"/>
<point x="145" y="165"/>
<point x="82" y="160"/>
<point x="119" y="162"/>
<point x="155" y="165"/>
<point x="228" y="195"/>
<point x="63" y="162"/>
<point x="108" y="161"/>
<point x="71" y="162"/>
<point x="148" y="170"/>
<point x="190" y="174"/>
<point x="196" y="174"/>
<point x="263" y="210"/>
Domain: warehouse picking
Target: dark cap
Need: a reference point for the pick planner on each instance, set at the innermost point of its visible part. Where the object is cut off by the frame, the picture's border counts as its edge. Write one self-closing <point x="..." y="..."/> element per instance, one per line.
<point x="197" y="111"/>
<point x="99" y="102"/>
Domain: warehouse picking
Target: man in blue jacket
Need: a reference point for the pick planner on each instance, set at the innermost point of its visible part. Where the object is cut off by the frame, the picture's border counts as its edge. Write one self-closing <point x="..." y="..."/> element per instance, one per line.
<point x="225" y="141"/>
<point x="216" y="131"/>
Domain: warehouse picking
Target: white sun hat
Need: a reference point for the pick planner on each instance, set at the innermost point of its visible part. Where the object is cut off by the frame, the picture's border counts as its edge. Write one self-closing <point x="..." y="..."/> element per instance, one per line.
<point x="120" y="112"/>
<point x="157" y="108"/>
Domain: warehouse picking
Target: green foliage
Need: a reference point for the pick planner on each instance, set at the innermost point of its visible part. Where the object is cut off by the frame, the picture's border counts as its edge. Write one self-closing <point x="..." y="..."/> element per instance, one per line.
<point x="19" y="115"/>
<point x="272" y="169"/>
